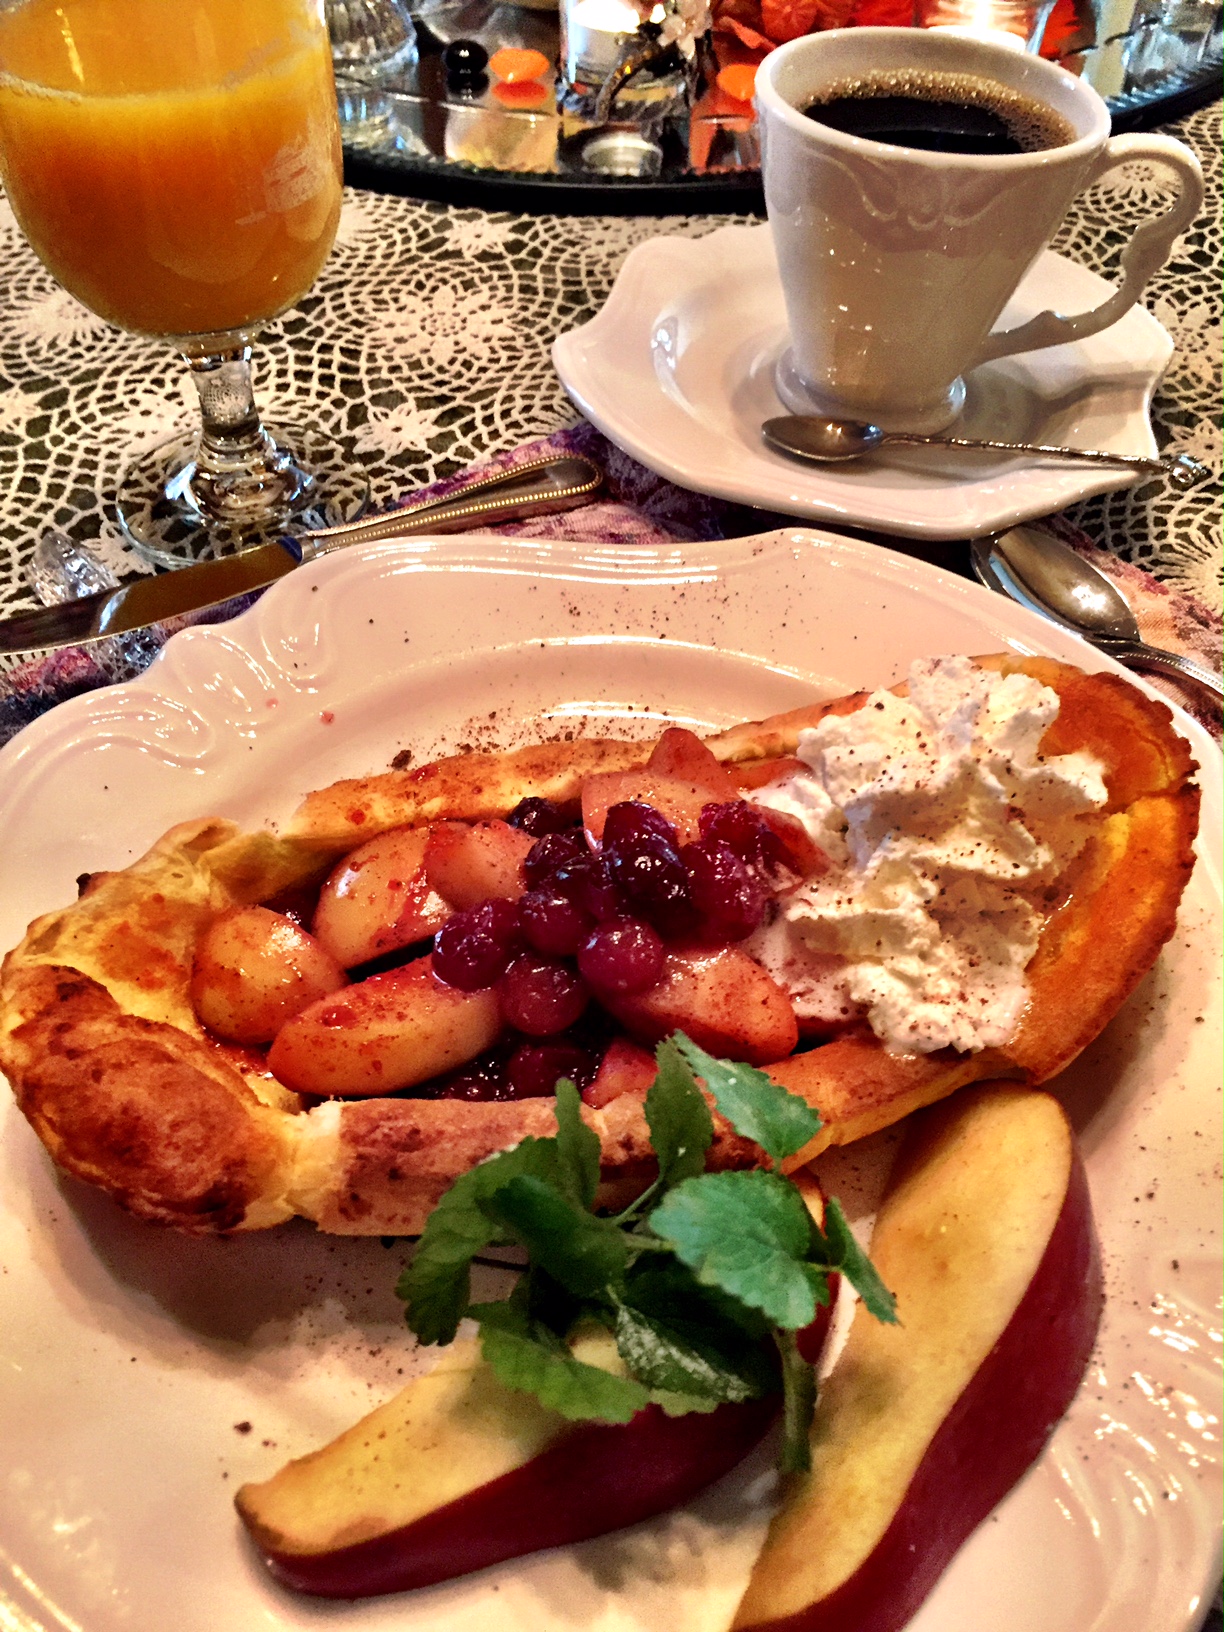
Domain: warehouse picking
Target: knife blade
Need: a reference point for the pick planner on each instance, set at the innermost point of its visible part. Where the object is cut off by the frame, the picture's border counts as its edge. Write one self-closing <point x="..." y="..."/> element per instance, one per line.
<point x="538" y="488"/>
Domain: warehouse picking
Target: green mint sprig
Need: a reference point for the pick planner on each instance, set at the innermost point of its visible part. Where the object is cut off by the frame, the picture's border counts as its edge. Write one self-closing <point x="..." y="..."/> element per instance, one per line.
<point x="703" y="1282"/>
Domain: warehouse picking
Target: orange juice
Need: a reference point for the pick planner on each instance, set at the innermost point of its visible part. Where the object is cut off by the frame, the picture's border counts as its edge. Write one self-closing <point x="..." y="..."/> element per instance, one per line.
<point x="175" y="163"/>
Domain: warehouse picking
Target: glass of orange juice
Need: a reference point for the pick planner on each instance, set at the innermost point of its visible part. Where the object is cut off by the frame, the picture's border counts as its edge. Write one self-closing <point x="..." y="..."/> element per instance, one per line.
<point x="176" y="166"/>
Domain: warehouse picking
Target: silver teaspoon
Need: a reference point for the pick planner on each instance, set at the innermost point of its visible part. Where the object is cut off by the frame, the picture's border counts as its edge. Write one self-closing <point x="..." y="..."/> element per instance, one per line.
<point x="834" y="441"/>
<point x="1038" y="570"/>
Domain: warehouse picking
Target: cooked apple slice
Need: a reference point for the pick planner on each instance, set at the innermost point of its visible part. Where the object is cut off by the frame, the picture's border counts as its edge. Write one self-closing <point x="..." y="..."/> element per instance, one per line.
<point x="391" y="1031"/>
<point x="680" y="777"/>
<point x="254" y="969"/>
<point x="722" y="999"/>
<point x="682" y="753"/>
<point x="378" y="899"/>
<point x="624" y="1069"/>
<point x="986" y="1238"/>
<point x="458" y="1472"/>
<point x="470" y="863"/>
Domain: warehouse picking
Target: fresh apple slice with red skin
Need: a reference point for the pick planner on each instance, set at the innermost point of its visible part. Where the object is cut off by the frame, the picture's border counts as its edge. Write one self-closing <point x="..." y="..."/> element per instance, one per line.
<point x="378" y="899"/>
<point x="470" y="863"/>
<point x="556" y="1483"/>
<point x="624" y="1069"/>
<point x="255" y="969"/>
<point x="987" y="1239"/>
<point x="720" y="998"/>
<point x="392" y="1031"/>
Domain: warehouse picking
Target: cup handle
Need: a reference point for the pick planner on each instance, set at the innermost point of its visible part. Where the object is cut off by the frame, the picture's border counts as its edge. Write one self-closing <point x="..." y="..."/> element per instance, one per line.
<point x="1148" y="250"/>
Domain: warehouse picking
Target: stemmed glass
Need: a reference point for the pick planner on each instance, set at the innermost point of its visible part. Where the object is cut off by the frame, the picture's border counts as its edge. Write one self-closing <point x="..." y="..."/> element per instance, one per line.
<point x="176" y="166"/>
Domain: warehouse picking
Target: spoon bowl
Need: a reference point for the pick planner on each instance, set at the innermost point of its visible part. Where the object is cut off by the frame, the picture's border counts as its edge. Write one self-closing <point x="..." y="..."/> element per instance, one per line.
<point x="1038" y="570"/>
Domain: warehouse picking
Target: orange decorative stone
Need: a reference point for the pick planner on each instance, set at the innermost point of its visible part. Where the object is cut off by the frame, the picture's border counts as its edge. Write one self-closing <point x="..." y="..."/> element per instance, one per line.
<point x="515" y="65"/>
<point x="526" y="93"/>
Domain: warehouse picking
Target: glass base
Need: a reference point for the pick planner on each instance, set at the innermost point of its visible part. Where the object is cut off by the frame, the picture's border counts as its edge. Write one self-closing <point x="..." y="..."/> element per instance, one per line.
<point x="172" y="515"/>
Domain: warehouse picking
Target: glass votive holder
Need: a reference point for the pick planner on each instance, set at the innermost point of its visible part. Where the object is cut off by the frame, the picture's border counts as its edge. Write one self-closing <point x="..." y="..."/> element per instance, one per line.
<point x="1016" y="23"/>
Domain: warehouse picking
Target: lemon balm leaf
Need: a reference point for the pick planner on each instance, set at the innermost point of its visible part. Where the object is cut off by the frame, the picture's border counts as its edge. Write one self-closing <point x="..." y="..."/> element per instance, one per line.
<point x="681" y="1127"/>
<point x="749" y="1235"/>
<point x="436" y="1284"/>
<point x="842" y="1252"/>
<point x="779" y="1121"/>
<point x="582" y="1253"/>
<point x="577" y="1147"/>
<point x="527" y="1356"/>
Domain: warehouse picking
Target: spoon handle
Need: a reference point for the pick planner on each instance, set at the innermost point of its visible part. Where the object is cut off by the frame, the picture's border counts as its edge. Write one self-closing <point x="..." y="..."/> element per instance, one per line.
<point x="1183" y="469"/>
<point x="1136" y="654"/>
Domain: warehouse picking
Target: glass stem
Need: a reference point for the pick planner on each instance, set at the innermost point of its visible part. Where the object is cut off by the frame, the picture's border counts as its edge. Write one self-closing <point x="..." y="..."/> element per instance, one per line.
<point x="240" y="476"/>
<point x="233" y="434"/>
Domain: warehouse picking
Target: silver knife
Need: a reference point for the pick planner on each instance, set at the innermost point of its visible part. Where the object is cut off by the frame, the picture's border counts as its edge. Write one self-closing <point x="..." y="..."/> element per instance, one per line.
<point x="534" y="489"/>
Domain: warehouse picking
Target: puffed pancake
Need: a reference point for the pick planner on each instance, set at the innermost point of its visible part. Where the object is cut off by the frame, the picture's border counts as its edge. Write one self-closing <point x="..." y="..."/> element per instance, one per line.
<point x="191" y="1125"/>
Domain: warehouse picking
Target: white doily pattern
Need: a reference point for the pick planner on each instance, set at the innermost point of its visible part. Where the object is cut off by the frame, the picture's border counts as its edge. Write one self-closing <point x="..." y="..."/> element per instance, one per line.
<point x="425" y="343"/>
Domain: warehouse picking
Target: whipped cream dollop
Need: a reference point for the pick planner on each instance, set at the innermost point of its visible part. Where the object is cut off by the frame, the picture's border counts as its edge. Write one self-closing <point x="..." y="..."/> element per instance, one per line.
<point x="945" y="829"/>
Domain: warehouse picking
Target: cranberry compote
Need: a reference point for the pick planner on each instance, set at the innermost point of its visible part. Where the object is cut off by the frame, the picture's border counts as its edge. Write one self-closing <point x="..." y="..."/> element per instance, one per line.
<point x="552" y="923"/>
<point x="535" y="1067"/>
<point x="483" y="1078"/>
<point x="551" y="852"/>
<point x="587" y="882"/>
<point x="642" y="851"/>
<point x="538" y="817"/>
<point x="741" y="827"/>
<point x="623" y="955"/>
<point x="724" y="889"/>
<point x="473" y="948"/>
<point x="541" y="996"/>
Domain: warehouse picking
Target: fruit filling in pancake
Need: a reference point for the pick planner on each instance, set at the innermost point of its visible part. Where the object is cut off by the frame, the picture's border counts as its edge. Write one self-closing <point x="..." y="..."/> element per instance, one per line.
<point x="877" y="900"/>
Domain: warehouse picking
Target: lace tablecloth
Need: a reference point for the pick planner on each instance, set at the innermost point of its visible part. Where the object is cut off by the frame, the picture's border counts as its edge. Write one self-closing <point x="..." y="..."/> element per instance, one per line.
<point x="426" y="341"/>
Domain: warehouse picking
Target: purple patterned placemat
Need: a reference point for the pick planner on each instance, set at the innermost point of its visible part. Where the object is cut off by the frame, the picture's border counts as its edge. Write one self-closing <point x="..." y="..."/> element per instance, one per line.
<point x="640" y="508"/>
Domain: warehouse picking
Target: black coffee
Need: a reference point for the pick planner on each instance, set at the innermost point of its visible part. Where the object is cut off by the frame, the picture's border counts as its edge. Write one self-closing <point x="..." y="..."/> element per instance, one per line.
<point x="940" y="112"/>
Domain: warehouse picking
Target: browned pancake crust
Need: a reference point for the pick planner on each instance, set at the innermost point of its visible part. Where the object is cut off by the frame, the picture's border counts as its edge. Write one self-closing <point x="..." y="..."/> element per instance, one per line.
<point x="153" y="1116"/>
<point x="116" y="1075"/>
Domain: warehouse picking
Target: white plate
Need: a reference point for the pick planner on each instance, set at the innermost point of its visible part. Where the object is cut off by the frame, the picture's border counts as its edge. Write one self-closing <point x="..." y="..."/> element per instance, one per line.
<point x="678" y="369"/>
<point x="129" y="1354"/>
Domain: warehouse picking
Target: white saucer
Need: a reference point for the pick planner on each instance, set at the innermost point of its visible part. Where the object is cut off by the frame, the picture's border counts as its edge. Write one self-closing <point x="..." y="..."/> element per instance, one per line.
<point x="678" y="369"/>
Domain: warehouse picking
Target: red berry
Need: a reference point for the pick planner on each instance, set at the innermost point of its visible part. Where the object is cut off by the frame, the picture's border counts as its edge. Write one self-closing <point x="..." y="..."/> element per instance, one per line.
<point x="552" y="851"/>
<point x="483" y="1078"/>
<point x="541" y="996"/>
<point x="473" y="948"/>
<point x="724" y="888"/>
<point x="623" y="955"/>
<point x="745" y="830"/>
<point x="538" y="817"/>
<point x="642" y="851"/>
<point x="587" y="882"/>
<point x="552" y="923"/>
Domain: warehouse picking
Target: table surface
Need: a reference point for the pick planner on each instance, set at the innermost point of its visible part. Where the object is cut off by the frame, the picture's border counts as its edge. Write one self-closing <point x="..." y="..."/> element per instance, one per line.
<point x="425" y="342"/>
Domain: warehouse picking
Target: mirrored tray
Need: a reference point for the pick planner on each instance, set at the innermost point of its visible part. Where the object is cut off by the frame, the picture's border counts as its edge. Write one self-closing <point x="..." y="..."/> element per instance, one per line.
<point x="411" y="128"/>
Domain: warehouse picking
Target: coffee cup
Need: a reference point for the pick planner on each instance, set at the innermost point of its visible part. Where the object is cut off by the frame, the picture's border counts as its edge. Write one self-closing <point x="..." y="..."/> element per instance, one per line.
<point x="897" y="260"/>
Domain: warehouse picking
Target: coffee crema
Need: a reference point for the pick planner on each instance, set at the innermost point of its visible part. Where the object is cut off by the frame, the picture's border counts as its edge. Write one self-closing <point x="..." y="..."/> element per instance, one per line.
<point x="936" y="111"/>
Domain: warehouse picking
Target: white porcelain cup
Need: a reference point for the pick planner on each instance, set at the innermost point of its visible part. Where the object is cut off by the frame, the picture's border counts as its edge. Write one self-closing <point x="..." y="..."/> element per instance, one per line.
<point x="896" y="262"/>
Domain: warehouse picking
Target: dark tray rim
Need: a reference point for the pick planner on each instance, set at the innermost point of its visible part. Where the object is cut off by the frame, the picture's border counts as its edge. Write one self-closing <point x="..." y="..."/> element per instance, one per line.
<point x="737" y="192"/>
